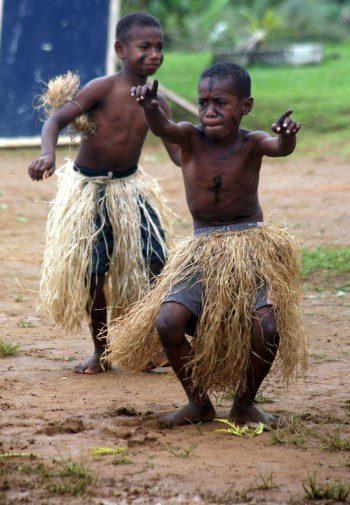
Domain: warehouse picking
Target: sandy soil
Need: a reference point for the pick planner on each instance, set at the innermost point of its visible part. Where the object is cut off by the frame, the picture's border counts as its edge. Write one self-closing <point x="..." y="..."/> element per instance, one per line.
<point x="48" y="411"/>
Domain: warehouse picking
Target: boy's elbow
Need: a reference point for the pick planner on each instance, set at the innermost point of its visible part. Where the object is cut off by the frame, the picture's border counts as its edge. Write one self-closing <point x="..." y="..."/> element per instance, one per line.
<point x="54" y="122"/>
<point x="287" y="151"/>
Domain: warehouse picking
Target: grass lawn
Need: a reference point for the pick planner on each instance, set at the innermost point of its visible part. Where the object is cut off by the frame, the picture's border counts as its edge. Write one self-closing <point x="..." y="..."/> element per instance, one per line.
<point x="318" y="94"/>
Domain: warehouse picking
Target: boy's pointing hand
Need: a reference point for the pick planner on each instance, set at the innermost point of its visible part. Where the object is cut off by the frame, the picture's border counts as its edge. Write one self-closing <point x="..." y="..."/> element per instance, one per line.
<point x="285" y="125"/>
<point x="146" y="95"/>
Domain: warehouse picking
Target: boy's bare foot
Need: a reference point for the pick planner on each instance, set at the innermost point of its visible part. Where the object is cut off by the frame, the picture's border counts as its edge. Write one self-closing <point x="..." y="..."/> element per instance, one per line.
<point x="189" y="414"/>
<point x="92" y="366"/>
<point x="250" y="413"/>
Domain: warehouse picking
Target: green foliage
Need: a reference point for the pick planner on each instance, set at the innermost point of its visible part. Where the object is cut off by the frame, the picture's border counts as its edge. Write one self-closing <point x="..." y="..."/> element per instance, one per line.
<point x="200" y="23"/>
<point x="7" y="455"/>
<point x="326" y="491"/>
<point x="7" y="349"/>
<point x="240" y="431"/>
<point x="311" y="20"/>
<point x="178" y="453"/>
<point x="107" y="451"/>
<point x="321" y="258"/>
<point x="68" y="477"/>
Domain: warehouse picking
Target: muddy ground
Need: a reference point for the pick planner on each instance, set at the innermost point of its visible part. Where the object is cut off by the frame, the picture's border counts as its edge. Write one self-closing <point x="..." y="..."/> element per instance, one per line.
<point x="54" y="418"/>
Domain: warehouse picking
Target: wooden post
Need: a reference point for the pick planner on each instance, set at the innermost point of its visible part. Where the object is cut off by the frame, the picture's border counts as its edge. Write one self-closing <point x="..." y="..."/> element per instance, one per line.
<point x="113" y="18"/>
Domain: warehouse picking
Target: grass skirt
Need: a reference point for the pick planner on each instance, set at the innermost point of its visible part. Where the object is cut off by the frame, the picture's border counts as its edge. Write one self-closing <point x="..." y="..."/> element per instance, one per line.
<point x="232" y="265"/>
<point x="71" y="232"/>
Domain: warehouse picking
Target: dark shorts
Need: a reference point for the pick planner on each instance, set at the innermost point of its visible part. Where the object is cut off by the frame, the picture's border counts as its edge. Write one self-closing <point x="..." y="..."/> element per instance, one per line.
<point x="189" y="292"/>
<point x="152" y="249"/>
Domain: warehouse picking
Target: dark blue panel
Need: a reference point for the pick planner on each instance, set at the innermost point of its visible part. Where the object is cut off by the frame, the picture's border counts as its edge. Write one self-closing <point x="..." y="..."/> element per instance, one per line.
<point x="41" y="39"/>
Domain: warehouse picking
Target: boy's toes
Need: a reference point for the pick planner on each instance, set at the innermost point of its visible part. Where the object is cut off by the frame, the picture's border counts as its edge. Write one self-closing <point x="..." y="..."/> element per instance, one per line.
<point x="251" y="414"/>
<point x="92" y="366"/>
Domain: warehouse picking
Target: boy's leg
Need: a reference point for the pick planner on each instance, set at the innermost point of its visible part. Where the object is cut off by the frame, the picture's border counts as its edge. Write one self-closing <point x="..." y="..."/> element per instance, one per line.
<point x="98" y="326"/>
<point x="172" y="322"/>
<point x="265" y="341"/>
<point x="155" y="268"/>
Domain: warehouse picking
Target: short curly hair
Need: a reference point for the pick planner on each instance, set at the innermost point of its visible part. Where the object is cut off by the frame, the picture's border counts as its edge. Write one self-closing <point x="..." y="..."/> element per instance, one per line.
<point x="130" y="21"/>
<point x="239" y="77"/>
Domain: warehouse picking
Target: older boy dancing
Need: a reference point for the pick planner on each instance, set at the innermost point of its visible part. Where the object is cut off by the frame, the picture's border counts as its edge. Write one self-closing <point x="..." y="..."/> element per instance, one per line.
<point x="106" y="229"/>
<point x="234" y="285"/>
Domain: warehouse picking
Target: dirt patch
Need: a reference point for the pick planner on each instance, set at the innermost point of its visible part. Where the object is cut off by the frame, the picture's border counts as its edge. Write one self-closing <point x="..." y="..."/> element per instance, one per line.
<point x="123" y="411"/>
<point x="60" y="416"/>
<point x="69" y="425"/>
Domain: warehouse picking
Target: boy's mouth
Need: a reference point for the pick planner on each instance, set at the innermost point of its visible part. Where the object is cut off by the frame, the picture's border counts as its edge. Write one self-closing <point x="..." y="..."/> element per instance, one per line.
<point x="152" y="66"/>
<point x="212" y="125"/>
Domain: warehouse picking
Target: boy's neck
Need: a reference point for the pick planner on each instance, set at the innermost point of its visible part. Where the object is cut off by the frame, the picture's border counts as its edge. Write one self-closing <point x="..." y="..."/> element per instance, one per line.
<point x="227" y="141"/>
<point x="132" y="78"/>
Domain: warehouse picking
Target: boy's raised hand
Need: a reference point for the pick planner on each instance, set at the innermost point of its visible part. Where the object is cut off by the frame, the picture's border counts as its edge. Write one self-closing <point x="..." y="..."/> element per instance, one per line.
<point x="285" y="125"/>
<point x="41" y="168"/>
<point x="146" y="95"/>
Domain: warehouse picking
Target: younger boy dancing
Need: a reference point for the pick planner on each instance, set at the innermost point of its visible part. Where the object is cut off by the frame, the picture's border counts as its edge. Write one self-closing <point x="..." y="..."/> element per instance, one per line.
<point x="234" y="285"/>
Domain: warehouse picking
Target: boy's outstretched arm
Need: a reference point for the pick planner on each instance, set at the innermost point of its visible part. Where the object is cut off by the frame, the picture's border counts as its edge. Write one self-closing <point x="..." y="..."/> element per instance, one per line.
<point x="284" y="144"/>
<point x="175" y="133"/>
<point x="172" y="149"/>
<point x="44" y="166"/>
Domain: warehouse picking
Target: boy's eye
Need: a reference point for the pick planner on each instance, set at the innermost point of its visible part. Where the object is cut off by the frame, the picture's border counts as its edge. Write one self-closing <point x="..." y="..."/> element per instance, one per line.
<point x="201" y="102"/>
<point x="220" y="102"/>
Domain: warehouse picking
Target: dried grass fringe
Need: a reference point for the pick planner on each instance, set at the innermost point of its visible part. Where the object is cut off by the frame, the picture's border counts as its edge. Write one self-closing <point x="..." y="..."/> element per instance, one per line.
<point x="233" y="266"/>
<point x="60" y="90"/>
<point x="70" y="236"/>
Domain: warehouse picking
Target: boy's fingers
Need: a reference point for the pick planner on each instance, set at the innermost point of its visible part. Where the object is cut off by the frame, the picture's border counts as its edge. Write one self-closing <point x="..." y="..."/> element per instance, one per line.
<point x="35" y="168"/>
<point x="154" y="88"/>
<point x="144" y="91"/>
<point x="133" y="91"/>
<point x="284" y="116"/>
<point x="287" y="122"/>
<point x="49" y="172"/>
<point x="138" y="92"/>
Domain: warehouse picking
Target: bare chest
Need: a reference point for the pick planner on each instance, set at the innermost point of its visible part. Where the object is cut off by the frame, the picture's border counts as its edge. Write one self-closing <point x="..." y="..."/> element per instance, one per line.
<point x="119" y="113"/>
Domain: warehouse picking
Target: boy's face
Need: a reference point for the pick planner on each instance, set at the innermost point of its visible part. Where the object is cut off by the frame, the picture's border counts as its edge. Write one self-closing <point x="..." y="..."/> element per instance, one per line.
<point x="143" y="50"/>
<point x="220" y="110"/>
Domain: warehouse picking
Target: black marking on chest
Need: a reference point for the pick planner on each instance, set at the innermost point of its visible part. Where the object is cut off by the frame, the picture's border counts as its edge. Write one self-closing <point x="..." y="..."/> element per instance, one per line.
<point x="216" y="188"/>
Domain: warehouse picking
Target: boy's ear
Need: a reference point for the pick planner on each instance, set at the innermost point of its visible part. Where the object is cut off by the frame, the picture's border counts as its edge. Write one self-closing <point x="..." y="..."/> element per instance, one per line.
<point x="247" y="105"/>
<point x="119" y="49"/>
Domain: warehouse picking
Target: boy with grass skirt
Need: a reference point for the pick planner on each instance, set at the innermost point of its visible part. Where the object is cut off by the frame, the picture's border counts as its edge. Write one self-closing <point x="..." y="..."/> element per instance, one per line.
<point x="107" y="231"/>
<point x="235" y="284"/>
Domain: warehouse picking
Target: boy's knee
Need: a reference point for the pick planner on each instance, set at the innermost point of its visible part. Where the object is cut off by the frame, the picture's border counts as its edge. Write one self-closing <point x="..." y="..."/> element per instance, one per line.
<point x="169" y="327"/>
<point x="265" y="324"/>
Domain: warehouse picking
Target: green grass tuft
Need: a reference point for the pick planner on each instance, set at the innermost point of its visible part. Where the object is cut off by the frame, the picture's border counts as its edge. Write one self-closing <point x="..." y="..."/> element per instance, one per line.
<point x="322" y="258"/>
<point x="7" y="349"/>
<point x="66" y="478"/>
<point x="178" y="453"/>
<point x="326" y="491"/>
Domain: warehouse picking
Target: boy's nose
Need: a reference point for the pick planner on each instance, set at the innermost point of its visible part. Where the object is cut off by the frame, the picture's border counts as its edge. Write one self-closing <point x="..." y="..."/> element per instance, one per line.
<point x="154" y="55"/>
<point x="211" y="112"/>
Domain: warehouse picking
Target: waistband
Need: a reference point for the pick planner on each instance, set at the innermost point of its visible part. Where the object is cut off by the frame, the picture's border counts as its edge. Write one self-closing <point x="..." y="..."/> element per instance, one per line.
<point x="90" y="172"/>
<point x="227" y="227"/>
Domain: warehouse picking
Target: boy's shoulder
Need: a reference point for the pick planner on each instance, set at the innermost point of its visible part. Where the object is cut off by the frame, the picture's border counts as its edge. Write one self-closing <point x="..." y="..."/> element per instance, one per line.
<point x="254" y="135"/>
<point x="103" y="83"/>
